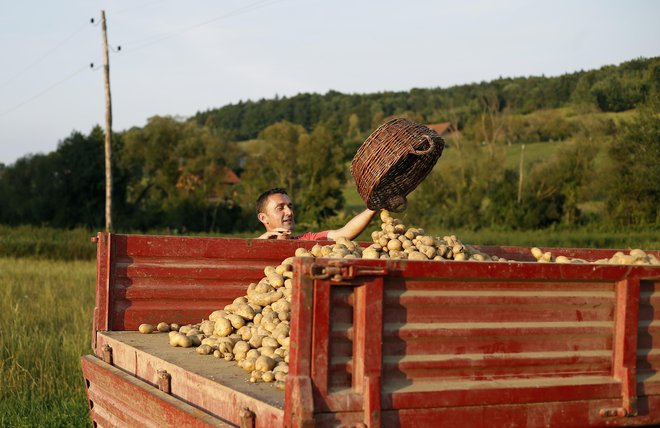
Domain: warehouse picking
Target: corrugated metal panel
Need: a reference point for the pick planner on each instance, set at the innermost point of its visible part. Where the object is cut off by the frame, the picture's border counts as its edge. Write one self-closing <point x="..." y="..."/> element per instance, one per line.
<point x="183" y="279"/>
<point x="446" y="335"/>
<point x="490" y="332"/>
<point x="486" y="334"/>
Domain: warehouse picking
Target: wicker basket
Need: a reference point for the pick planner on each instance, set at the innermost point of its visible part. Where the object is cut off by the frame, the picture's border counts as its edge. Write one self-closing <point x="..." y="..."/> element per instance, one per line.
<point x="392" y="161"/>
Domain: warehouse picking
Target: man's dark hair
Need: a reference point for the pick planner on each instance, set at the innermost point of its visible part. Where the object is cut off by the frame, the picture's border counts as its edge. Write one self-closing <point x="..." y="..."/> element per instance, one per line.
<point x="261" y="200"/>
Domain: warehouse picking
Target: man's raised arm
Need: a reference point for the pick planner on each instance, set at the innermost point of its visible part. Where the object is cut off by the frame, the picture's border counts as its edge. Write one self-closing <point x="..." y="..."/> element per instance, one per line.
<point x="354" y="227"/>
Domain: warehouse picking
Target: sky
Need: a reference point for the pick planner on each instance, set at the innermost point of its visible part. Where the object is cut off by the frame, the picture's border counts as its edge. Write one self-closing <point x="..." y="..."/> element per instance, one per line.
<point x="181" y="57"/>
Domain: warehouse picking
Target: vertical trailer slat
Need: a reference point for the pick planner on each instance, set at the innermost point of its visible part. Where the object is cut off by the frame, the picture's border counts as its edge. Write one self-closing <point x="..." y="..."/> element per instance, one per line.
<point x="298" y="400"/>
<point x="368" y="361"/>
<point x="320" y="339"/>
<point x="104" y="266"/>
<point x="625" y="342"/>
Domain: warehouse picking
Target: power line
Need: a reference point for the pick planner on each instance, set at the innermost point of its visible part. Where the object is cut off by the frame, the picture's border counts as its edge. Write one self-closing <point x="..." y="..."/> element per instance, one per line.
<point x="254" y="6"/>
<point x="150" y="40"/>
<point x="53" y="86"/>
<point x="46" y="55"/>
<point x="134" y="7"/>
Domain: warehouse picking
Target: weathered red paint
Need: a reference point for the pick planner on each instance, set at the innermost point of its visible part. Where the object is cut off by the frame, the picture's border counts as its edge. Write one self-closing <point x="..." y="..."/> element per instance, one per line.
<point x="118" y="399"/>
<point x="625" y="342"/>
<point x="403" y="343"/>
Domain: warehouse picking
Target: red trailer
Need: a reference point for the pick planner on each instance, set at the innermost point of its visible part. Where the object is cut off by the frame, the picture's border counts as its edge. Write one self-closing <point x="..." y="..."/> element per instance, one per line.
<point x="380" y="342"/>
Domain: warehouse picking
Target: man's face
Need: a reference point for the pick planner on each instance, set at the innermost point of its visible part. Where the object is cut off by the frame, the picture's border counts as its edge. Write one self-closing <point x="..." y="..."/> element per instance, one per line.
<point x="277" y="212"/>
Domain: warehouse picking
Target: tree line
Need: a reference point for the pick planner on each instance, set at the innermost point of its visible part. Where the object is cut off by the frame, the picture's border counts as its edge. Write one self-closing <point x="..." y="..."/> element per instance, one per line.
<point x="177" y="174"/>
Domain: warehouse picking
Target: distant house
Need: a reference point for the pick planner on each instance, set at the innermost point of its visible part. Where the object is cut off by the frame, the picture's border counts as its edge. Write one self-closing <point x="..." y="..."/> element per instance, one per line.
<point x="230" y="177"/>
<point x="444" y="129"/>
<point x="225" y="191"/>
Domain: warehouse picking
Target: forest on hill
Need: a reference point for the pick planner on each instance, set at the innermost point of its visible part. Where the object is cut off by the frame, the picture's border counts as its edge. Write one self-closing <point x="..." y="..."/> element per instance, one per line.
<point x="592" y="143"/>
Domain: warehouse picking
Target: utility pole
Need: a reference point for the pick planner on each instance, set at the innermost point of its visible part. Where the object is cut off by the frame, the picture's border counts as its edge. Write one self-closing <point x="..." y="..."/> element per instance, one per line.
<point x="108" y="128"/>
<point x="520" y="174"/>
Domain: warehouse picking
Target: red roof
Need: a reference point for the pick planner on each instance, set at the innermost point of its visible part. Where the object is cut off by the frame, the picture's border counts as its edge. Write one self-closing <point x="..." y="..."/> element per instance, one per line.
<point x="230" y="177"/>
<point x="443" y="128"/>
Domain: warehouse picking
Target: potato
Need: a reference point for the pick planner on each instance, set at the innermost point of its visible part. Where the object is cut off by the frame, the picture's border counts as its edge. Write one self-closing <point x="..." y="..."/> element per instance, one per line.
<point x="270" y="342"/>
<point x="370" y="253"/>
<point x="193" y="332"/>
<point x="264" y="299"/>
<point x="268" y="377"/>
<point x="204" y="350"/>
<point x="255" y="341"/>
<point x="241" y="347"/>
<point x="268" y="351"/>
<point x="146" y="328"/>
<point x="416" y="255"/>
<point x="207" y="327"/>
<point x="252" y="354"/>
<point x="217" y="315"/>
<point x="264" y="363"/>
<point x="302" y="252"/>
<point x="281" y="306"/>
<point x="255" y="376"/>
<point x="394" y="244"/>
<point x="245" y="332"/>
<point x="184" y="341"/>
<point x="235" y="320"/>
<point x="248" y="364"/>
<point x="275" y="279"/>
<point x="222" y="327"/>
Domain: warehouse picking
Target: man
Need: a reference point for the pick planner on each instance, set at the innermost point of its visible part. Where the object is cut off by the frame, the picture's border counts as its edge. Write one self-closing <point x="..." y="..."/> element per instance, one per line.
<point x="275" y="212"/>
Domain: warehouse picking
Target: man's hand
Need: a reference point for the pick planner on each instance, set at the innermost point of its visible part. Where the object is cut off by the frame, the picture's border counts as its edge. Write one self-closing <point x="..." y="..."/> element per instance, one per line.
<point x="277" y="233"/>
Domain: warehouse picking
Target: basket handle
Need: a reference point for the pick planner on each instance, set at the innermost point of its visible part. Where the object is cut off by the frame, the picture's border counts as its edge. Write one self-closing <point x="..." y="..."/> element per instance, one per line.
<point x="414" y="151"/>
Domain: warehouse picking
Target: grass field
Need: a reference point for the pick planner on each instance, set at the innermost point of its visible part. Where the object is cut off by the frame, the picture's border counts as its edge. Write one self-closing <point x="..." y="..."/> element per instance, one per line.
<point x="45" y="326"/>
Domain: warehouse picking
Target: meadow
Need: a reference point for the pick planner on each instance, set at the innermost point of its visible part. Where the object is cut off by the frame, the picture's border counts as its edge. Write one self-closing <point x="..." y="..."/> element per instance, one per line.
<point x="45" y="326"/>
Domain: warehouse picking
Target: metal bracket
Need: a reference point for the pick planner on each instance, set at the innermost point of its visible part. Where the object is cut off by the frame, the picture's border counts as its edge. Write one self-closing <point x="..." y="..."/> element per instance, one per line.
<point x="107" y="353"/>
<point x="613" y="412"/>
<point x="341" y="272"/>
<point x="247" y="418"/>
<point x="164" y="381"/>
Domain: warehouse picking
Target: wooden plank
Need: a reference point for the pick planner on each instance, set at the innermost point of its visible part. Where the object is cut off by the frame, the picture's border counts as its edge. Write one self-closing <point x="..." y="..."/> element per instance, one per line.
<point x="217" y="386"/>
<point x="117" y="399"/>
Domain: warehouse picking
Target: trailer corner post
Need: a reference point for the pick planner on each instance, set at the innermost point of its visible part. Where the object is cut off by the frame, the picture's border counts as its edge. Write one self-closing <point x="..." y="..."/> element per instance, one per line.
<point x="626" y="331"/>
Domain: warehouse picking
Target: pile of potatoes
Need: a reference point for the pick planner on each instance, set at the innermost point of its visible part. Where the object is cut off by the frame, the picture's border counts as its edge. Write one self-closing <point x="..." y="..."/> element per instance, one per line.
<point x="635" y="257"/>
<point x="396" y="241"/>
<point x="254" y="329"/>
